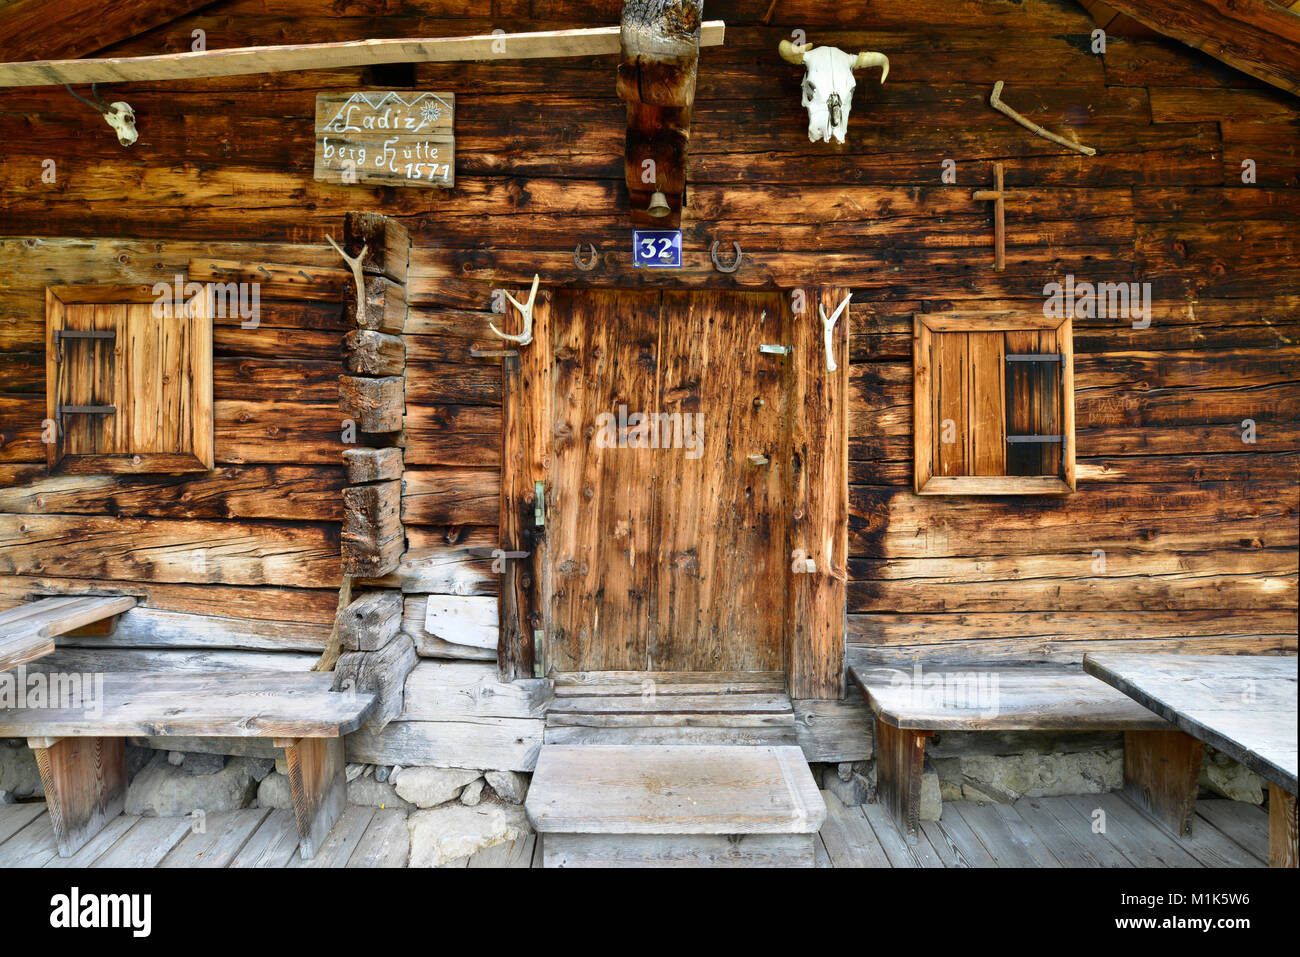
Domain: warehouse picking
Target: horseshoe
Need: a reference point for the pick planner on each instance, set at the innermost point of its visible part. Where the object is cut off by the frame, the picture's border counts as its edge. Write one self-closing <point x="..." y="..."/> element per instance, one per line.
<point x="713" y="254"/>
<point x="586" y="266"/>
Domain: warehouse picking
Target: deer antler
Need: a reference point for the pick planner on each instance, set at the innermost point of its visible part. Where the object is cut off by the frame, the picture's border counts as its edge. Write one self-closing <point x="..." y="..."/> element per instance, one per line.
<point x="827" y="326"/>
<point x="525" y="310"/>
<point x="357" y="275"/>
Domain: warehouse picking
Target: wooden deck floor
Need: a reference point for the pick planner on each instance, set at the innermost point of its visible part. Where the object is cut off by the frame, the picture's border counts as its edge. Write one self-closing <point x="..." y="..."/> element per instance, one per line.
<point x="1034" y="832"/>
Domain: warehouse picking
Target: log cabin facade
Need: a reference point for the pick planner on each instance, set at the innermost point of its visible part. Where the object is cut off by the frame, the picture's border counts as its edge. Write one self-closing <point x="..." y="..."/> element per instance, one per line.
<point x="803" y="537"/>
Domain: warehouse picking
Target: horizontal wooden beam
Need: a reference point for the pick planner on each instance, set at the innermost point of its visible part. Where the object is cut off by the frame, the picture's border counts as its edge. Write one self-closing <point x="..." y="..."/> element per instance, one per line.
<point x="241" y="61"/>
<point x="75" y="28"/>
<point x="1257" y="37"/>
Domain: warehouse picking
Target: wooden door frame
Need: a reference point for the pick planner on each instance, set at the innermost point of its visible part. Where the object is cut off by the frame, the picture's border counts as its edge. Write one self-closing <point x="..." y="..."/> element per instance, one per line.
<point x="817" y="493"/>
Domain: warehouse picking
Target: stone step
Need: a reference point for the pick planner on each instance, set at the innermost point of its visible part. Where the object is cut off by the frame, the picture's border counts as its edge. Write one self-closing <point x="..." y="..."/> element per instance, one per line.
<point x="675" y="805"/>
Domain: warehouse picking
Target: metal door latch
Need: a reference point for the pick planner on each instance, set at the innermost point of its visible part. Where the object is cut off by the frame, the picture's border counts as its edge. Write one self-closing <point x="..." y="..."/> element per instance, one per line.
<point x="775" y="350"/>
<point x="539" y="503"/>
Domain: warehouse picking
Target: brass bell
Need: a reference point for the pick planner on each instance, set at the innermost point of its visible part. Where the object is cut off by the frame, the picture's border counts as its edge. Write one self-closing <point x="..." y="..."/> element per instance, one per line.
<point x="659" y="205"/>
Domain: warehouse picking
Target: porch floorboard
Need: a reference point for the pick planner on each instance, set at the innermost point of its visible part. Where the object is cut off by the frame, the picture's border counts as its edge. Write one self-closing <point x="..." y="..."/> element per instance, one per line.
<point x="1033" y="832"/>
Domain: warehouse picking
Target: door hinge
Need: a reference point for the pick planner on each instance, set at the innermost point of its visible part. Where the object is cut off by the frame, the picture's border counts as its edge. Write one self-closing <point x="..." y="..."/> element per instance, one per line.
<point x="539" y="653"/>
<point x="539" y="503"/>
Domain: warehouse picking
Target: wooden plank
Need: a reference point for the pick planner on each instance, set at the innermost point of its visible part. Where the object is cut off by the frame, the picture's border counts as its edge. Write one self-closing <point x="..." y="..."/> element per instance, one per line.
<point x="1282" y="828"/>
<point x="527" y="435"/>
<point x="1003" y="698"/>
<point x="318" y="787"/>
<point x="108" y="838"/>
<point x="900" y="756"/>
<point x="33" y="846"/>
<point x="37" y="28"/>
<point x="342" y="841"/>
<point x="1162" y="773"/>
<point x="1245" y="824"/>
<point x="15" y="817"/>
<point x="611" y="683"/>
<point x="720" y="704"/>
<point x="833" y="731"/>
<point x="959" y="840"/>
<point x="438" y="690"/>
<point x="1067" y="835"/>
<point x="848" y="838"/>
<point x="85" y="785"/>
<point x="1008" y="839"/>
<point x="275" y="59"/>
<point x="270" y="704"/>
<point x="818" y="496"/>
<point x="273" y="844"/>
<point x="386" y="842"/>
<point x="603" y="546"/>
<point x="1244" y="706"/>
<point x="146" y="844"/>
<point x="678" y="850"/>
<point x="901" y="851"/>
<point x="674" y="790"/>
<point x="223" y="837"/>
<point x="50" y="617"/>
<point x="1128" y="829"/>
<point x="506" y="743"/>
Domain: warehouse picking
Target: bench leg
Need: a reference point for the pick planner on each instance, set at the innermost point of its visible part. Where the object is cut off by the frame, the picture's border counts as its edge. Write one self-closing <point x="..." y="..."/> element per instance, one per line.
<point x="900" y="757"/>
<point x="1282" y="832"/>
<point x="85" y="785"/>
<point x="1162" y="770"/>
<point x="318" y="785"/>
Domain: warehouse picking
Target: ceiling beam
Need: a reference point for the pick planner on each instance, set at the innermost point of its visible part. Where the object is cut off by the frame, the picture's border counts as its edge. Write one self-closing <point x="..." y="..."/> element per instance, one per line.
<point x="1258" y="37"/>
<point x="241" y="61"/>
<point x="48" y="29"/>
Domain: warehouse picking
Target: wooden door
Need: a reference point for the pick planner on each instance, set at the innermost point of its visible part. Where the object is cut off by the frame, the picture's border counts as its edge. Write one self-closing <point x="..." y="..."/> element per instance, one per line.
<point x="667" y="522"/>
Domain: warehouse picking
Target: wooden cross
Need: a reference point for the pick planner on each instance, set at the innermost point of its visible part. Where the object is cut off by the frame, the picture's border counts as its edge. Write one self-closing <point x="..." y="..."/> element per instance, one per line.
<point x="999" y="196"/>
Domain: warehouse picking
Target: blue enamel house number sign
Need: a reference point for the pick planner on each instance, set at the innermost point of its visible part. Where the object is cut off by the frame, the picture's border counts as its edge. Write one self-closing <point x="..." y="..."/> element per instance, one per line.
<point x="657" y="248"/>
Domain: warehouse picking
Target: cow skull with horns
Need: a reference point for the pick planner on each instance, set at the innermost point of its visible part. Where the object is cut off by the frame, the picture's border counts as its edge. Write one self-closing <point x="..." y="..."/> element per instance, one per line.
<point x="828" y="85"/>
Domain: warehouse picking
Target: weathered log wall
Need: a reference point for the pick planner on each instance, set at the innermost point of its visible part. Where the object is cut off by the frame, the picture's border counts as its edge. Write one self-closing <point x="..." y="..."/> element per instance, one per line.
<point x="1198" y="528"/>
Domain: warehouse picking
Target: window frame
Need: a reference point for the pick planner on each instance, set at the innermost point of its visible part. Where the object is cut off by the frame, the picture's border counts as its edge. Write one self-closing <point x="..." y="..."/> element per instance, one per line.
<point x="924" y="326"/>
<point x="201" y="439"/>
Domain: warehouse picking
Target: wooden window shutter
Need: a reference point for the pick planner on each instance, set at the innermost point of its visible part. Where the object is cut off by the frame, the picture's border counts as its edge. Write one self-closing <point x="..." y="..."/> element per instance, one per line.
<point x="994" y="405"/>
<point x="129" y="385"/>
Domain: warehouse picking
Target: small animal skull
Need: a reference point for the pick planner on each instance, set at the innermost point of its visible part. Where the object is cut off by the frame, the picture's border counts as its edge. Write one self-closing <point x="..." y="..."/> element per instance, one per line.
<point x="121" y="117"/>
<point x="828" y="85"/>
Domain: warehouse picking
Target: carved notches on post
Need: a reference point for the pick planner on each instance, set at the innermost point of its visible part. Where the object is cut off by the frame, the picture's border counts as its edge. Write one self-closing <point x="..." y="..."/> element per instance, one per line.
<point x="656" y="78"/>
<point x="372" y="394"/>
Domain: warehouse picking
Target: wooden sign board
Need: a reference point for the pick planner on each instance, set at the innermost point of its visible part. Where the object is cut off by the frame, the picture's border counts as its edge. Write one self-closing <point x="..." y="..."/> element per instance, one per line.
<point x="386" y="138"/>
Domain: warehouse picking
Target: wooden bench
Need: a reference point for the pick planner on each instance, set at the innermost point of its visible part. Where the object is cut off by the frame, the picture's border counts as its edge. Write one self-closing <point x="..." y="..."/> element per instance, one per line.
<point x="27" y="631"/>
<point x="80" y="745"/>
<point x="1242" y="705"/>
<point x="911" y="702"/>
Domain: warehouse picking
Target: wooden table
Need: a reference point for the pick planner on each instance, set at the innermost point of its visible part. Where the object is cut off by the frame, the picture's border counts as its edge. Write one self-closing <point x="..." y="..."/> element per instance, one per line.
<point x="1243" y="705"/>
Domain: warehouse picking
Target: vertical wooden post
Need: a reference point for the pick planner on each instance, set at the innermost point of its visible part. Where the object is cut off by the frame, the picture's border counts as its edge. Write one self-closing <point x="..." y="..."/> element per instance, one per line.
<point x="318" y="786"/>
<point x="525" y="461"/>
<point x="1161" y="772"/>
<point x="818" y="500"/>
<point x="900" y="760"/>
<point x="1282" y="830"/>
<point x="85" y="785"/>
